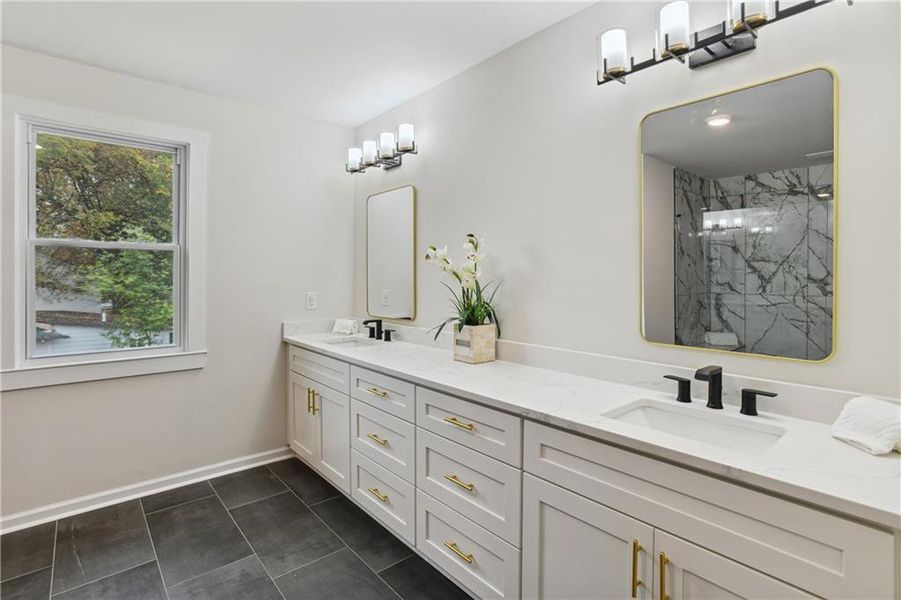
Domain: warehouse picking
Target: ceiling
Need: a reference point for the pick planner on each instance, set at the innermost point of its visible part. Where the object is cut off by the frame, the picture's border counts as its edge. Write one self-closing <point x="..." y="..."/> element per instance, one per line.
<point x="774" y="126"/>
<point x="338" y="62"/>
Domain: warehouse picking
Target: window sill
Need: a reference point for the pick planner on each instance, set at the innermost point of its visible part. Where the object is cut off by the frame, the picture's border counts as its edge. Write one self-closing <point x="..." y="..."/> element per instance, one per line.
<point x="61" y="374"/>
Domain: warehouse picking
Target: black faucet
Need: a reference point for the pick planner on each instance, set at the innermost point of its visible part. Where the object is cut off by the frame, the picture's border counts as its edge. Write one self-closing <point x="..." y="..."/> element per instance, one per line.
<point x="374" y="332"/>
<point x="684" y="388"/>
<point x="749" y="400"/>
<point x="714" y="375"/>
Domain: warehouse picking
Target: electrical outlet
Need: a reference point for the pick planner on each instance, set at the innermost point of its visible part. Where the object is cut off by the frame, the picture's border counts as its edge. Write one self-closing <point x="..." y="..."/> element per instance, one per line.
<point x="386" y="297"/>
<point x="311" y="300"/>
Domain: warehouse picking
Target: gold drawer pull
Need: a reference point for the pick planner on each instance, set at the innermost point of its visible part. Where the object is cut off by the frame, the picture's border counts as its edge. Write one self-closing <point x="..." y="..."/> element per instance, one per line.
<point x="378" y="440"/>
<point x="309" y="400"/>
<point x="315" y="409"/>
<point x="376" y="391"/>
<point x="663" y="562"/>
<point x="454" y="479"/>
<point x="375" y="492"/>
<point x="636" y="548"/>
<point x="453" y="548"/>
<point x="459" y="423"/>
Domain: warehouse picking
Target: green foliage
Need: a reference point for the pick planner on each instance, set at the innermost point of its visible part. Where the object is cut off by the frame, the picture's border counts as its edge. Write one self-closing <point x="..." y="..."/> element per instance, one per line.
<point x="95" y="191"/>
<point x="138" y="285"/>
<point x="107" y="192"/>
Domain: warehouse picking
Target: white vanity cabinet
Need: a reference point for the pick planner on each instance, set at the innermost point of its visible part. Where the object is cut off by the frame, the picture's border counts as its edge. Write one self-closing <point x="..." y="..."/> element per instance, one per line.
<point x="511" y="508"/>
<point x="319" y="415"/>
<point x="573" y="547"/>
<point x="821" y="553"/>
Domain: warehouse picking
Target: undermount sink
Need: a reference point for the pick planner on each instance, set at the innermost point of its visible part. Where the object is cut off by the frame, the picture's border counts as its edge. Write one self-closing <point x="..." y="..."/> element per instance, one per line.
<point x="350" y="342"/>
<point x="739" y="434"/>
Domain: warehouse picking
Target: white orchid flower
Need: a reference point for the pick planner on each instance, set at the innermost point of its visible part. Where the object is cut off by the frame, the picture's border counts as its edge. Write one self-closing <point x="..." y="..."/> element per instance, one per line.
<point x="468" y="282"/>
<point x="441" y="253"/>
<point x="446" y="265"/>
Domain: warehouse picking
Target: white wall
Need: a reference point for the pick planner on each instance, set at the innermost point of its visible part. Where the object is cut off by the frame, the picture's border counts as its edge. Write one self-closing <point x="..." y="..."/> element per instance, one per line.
<point x="659" y="314"/>
<point x="277" y="196"/>
<point x="525" y="150"/>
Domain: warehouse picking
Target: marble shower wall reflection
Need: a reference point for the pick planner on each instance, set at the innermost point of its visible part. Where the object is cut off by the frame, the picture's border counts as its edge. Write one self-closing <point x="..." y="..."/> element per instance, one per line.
<point x="753" y="262"/>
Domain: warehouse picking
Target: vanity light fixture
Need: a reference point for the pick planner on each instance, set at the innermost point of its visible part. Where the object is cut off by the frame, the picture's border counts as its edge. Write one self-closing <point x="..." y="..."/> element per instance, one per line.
<point x="718" y="120"/>
<point x="387" y="153"/>
<point x="735" y="35"/>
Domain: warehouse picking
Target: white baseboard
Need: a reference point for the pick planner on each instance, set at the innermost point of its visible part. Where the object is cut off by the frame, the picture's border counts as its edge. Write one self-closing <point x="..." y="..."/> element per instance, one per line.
<point x="82" y="504"/>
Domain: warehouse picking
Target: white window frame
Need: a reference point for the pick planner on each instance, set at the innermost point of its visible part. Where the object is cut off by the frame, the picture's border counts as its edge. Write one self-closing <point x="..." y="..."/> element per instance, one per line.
<point x="188" y="351"/>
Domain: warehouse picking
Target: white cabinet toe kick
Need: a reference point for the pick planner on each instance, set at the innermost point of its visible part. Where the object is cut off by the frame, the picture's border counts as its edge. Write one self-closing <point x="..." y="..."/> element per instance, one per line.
<point x="511" y="508"/>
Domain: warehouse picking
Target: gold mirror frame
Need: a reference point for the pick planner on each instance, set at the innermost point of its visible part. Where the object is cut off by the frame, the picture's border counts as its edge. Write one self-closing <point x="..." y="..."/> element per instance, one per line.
<point x="835" y="211"/>
<point x="415" y="263"/>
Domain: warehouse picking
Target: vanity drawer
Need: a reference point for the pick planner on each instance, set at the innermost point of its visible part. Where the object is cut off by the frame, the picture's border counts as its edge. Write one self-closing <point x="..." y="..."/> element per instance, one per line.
<point x="813" y="550"/>
<point x="319" y="368"/>
<point x="387" y="393"/>
<point x="484" y="429"/>
<point x="481" y="488"/>
<point x="386" y="496"/>
<point x="385" y="439"/>
<point x="477" y="558"/>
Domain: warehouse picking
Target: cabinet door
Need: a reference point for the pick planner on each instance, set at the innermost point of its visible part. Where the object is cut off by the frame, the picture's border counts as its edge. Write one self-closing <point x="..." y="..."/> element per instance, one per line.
<point x="303" y="429"/>
<point x="333" y="415"/>
<point x="683" y="571"/>
<point x="574" y="549"/>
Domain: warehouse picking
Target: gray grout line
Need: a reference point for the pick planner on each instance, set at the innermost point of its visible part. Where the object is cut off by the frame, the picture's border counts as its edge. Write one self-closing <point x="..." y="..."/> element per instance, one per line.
<point x="257" y="500"/>
<point x="44" y="568"/>
<point x="53" y="558"/>
<point x="156" y="557"/>
<point x="340" y="495"/>
<point x="205" y="573"/>
<point x="338" y="536"/>
<point x="246" y="541"/>
<point x="159" y="510"/>
<point x="397" y="562"/>
<point x="119" y="572"/>
<point x="314" y="561"/>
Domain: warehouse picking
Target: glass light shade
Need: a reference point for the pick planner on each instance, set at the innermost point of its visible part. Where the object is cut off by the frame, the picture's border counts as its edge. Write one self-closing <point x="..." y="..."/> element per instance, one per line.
<point x="672" y="21"/>
<point x="386" y="145"/>
<point x="369" y="147"/>
<point x="405" y="136"/>
<point x="757" y="12"/>
<point x="354" y="156"/>
<point x="614" y="50"/>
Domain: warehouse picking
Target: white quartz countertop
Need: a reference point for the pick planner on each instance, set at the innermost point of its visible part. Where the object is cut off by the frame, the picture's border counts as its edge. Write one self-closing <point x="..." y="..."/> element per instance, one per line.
<point x="806" y="464"/>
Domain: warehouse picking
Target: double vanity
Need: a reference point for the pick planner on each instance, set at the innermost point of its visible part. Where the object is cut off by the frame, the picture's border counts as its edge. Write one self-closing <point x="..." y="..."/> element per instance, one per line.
<point x="517" y="481"/>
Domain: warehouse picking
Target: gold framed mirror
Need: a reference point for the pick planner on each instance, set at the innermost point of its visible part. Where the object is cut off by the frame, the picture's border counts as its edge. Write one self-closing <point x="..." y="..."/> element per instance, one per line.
<point x="738" y="233"/>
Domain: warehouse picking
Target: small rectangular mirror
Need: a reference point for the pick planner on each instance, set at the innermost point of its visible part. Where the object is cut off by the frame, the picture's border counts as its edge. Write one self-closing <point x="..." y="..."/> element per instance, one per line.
<point x="391" y="254"/>
<point x="737" y="228"/>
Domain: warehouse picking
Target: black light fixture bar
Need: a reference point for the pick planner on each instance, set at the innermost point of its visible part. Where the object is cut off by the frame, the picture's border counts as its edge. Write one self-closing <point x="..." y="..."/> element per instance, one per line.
<point x="386" y="163"/>
<point x="714" y="43"/>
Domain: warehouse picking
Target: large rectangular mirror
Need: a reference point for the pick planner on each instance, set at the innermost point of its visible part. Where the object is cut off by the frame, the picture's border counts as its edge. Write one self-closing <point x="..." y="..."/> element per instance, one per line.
<point x="391" y="254"/>
<point x="737" y="228"/>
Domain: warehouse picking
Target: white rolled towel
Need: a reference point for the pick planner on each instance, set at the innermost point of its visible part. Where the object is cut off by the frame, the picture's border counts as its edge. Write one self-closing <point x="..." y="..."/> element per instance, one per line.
<point x="870" y="424"/>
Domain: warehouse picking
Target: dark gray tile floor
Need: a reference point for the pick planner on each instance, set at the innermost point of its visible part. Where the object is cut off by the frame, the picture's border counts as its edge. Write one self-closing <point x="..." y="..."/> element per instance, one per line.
<point x="267" y="533"/>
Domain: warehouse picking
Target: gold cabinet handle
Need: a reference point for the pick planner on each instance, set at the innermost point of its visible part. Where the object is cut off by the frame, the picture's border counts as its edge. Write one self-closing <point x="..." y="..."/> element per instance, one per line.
<point x="377" y="392"/>
<point x="454" y="479"/>
<point x="459" y="423"/>
<point x="309" y="400"/>
<point x="377" y="439"/>
<point x="313" y="407"/>
<point x="375" y="492"/>
<point x="453" y="548"/>
<point x="636" y="548"/>
<point x="663" y="562"/>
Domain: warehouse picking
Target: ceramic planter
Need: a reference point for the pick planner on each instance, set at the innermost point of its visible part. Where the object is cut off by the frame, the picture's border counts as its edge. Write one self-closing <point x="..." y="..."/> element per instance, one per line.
<point x="475" y="344"/>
